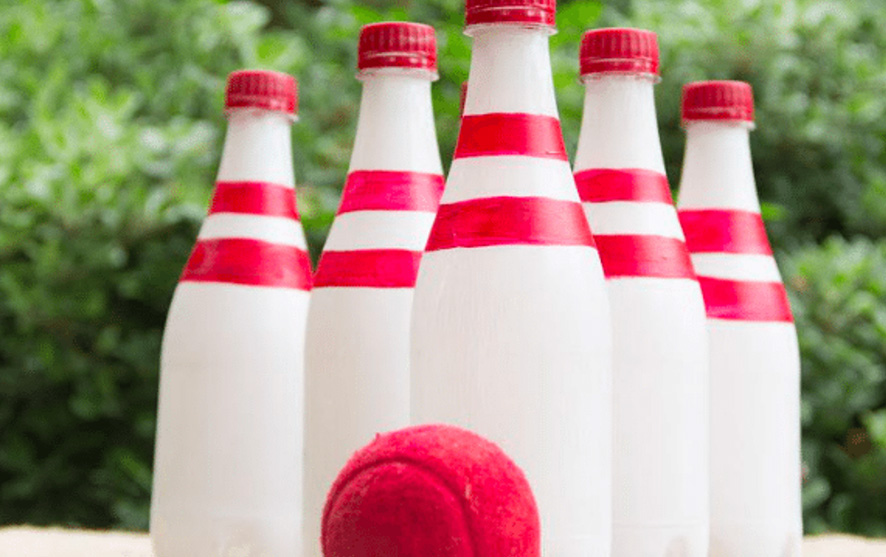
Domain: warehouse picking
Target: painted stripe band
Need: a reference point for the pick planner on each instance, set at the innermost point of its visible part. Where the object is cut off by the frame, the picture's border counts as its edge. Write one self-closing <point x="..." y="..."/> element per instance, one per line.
<point x="644" y="256"/>
<point x="599" y="185"/>
<point x="745" y="300"/>
<point x="497" y="134"/>
<point x="248" y="262"/>
<point x="497" y="221"/>
<point x="383" y="190"/>
<point x="391" y="268"/>
<point x="254" y="198"/>
<point x="722" y="231"/>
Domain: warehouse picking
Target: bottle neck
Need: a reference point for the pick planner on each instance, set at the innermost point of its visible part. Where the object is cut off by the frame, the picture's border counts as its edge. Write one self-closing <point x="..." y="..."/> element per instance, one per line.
<point x="717" y="168"/>
<point x="619" y="127"/>
<point x="510" y="71"/>
<point x="395" y="129"/>
<point x="258" y="147"/>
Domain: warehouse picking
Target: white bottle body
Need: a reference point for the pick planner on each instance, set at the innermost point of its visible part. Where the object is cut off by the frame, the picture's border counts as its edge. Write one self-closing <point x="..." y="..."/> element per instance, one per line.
<point x="755" y="368"/>
<point x="660" y="353"/>
<point x="357" y="359"/>
<point x="227" y="470"/>
<point x="513" y="341"/>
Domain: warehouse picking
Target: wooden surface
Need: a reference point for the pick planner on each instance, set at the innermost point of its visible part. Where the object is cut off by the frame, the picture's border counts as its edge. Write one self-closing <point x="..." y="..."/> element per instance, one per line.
<point x="55" y="542"/>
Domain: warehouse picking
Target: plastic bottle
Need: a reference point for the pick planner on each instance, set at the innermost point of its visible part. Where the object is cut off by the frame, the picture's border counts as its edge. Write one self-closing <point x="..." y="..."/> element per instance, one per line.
<point x="511" y="332"/>
<point x="754" y="358"/>
<point x="228" y="462"/>
<point x="357" y="363"/>
<point x="660" y="457"/>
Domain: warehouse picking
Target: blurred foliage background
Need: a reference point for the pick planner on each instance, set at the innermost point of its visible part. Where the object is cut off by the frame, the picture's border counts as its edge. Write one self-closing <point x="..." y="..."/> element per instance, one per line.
<point x="110" y="131"/>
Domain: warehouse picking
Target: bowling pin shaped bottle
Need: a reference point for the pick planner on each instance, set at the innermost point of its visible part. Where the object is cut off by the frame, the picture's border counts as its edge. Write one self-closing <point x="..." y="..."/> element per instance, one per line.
<point x="511" y="332"/>
<point x="228" y="462"/>
<point x="658" y="323"/>
<point x="754" y="359"/>
<point x="357" y="361"/>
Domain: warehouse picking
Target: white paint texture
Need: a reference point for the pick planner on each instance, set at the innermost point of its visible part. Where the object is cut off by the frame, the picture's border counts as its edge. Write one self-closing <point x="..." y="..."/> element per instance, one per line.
<point x="228" y="462"/>
<point x="513" y="341"/>
<point x="357" y="361"/>
<point x="755" y="370"/>
<point x="660" y="476"/>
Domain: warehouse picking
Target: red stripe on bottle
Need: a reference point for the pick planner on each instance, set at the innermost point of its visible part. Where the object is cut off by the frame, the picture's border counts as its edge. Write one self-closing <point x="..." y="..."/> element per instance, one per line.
<point x="496" y="134"/>
<point x="248" y="262"/>
<point x="745" y="300"/>
<point x="254" y="198"/>
<point x="384" y="190"/>
<point x="722" y="231"/>
<point x="497" y="221"/>
<point x="600" y="185"/>
<point x="644" y="256"/>
<point x="384" y="268"/>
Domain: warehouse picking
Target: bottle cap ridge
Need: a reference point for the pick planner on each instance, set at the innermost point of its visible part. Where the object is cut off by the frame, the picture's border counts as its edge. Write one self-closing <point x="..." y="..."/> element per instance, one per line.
<point x="397" y="44"/>
<point x="619" y="50"/>
<point x="538" y="12"/>
<point x="262" y="89"/>
<point x="718" y="100"/>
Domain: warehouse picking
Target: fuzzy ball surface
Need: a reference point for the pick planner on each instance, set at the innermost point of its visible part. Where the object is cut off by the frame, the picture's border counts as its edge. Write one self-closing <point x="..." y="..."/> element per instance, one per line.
<point x="431" y="491"/>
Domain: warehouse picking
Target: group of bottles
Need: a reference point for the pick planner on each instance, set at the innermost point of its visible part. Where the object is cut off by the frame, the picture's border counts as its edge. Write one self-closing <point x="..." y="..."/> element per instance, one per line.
<point x="638" y="361"/>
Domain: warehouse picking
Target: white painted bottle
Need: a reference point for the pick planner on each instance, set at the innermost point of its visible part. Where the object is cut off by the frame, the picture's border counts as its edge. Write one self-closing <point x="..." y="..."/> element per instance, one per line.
<point x="660" y="355"/>
<point x="228" y="461"/>
<point x="754" y="358"/>
<point x="511" y="332"/>
<point x="357" y="360"/>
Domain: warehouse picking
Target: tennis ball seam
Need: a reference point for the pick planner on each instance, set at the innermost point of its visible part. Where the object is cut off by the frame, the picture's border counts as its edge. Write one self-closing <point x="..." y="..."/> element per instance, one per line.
<point x="333" y="498"/>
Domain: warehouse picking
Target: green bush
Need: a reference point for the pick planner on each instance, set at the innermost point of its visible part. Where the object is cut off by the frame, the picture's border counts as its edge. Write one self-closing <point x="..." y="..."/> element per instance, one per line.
<point x="110" y="131"/>
<point x="110" y="124"/>
<point x="818" y="70"/>
<point x="837" y="296"/>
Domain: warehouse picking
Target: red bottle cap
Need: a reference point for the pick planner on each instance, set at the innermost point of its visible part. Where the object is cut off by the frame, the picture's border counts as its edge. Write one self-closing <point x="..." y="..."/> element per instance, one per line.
<point x="397" y="44"/>
<point x="619" y="50"/>
<point x="261" y="89"/>
<point x="718" y="100"/>
<point x="539" y="12"/>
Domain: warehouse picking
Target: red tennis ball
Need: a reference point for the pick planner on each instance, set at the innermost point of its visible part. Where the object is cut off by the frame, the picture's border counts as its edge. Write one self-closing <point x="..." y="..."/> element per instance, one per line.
<point x="431" y="491"/>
